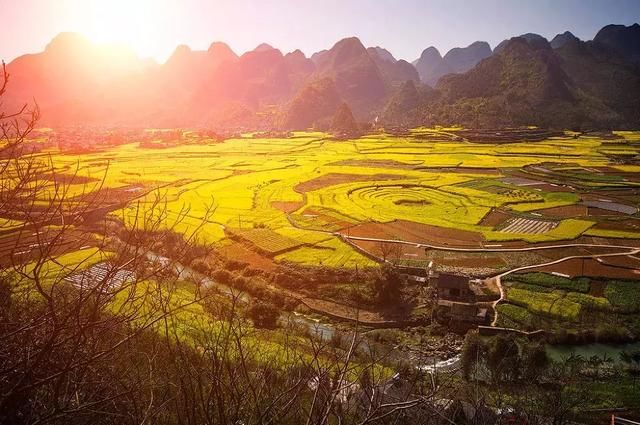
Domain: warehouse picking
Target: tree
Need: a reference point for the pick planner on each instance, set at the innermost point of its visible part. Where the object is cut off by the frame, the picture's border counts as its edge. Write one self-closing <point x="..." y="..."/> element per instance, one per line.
<point x="264" y="315"/>
<point x="390" y="251"/>
<point x="343" y="120"/>
<point x="632" y="361"/>
<point x="535" y="360"/>
<point x="503" y="358"/>
<point x="387" y="285"/>
<point x="473" y="350"/>
<point x="64" y="343"/>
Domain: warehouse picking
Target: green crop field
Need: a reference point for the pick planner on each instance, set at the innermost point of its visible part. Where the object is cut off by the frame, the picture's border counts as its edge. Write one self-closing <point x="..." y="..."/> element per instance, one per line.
<point x="550" y="295"/>
<point x="551" y="281"/>
<point x="553" y="303"/>
<point x="624" y="294"/>
<point x="251" y="189"/>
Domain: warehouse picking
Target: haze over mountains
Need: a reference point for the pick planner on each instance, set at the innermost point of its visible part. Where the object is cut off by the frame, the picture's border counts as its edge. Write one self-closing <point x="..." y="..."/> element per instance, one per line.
<point x="525" y="80"/>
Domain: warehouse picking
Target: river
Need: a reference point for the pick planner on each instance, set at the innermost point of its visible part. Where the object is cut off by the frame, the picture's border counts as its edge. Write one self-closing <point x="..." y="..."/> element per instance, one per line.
<point x="559" y="352"/>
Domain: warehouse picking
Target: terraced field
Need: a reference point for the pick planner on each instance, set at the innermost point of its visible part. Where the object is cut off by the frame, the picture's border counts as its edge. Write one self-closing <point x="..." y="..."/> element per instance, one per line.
<point x="289" y="199"/>
<point x="529" y="226"/>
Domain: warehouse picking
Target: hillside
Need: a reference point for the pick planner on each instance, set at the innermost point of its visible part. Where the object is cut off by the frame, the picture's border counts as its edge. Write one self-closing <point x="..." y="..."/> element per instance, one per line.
<point x="577" y="85"/>
<point x="432" y="66"/>
<point x="524" y="81"/>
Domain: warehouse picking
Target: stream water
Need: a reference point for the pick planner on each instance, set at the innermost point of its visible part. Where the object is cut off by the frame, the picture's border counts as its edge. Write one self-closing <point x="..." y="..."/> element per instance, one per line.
<point x="442" y="365"/>
<point x="560" y="352"/>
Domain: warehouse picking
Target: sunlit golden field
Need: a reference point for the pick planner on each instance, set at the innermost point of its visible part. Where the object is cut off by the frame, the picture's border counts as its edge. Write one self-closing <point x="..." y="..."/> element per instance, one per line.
<point x="290" y="198"/>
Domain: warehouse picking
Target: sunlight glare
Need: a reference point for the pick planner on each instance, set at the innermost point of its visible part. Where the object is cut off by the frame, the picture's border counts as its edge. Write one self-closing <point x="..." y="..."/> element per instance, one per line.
<point x="133" y="23"/>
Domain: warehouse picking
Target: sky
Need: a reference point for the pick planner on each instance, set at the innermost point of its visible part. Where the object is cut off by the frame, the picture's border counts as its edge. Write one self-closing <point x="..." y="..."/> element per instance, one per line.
<point x="153" y="28"/>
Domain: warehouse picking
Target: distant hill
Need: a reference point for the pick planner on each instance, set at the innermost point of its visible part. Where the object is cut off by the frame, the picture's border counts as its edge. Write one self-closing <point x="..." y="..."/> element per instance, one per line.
<point x="381" y="53"/>
<point x="462" y="59"/>
<point x="581" y="84"/>
<point x="351" y="73"/>
<point x="534" y="40"/>
<point x="624" y="40"/>
<point x="431" y="66"/>
<point x="402" y="108"/>
<point x="394" y="71"/>
<point x="525" y="80"/>
<point x="358" y="78"/>
<point x="312" y="106"/>
<point x="562" y="39"/>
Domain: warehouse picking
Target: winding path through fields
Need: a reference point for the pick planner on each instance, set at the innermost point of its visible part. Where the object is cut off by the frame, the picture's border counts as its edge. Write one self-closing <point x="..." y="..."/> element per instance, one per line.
<point x="499" y="277"/>
<point x="630" y="250"/>
<point x="488" y="249"/>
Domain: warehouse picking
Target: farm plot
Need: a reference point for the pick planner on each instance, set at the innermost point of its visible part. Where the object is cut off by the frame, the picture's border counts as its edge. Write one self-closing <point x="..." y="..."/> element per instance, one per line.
<point x="551" y="281"/>
<point x="417" y="232"/>
<point x="318" y="220"/>
<point x="552" y="295"/>
<point x="332" y="179"/>
<point x="624" y="294"/>
<point x="496" y="187"/>
<point x="105" y="275"/>
<point x="514" y="316"/>
<point x="611" y="206"/>
<point x="411" y="200"/>
<point x="294" y="190"/>
<point x="61" y="266"/>
<point x="556" y="303"/>
<point x="330" y="253"/>
<point x="265" y="240"/>
<point x="592" y="268"/>
<point x="527" y="226"/>
<point x="238" y="252"/>
<point x="552" y="303"/>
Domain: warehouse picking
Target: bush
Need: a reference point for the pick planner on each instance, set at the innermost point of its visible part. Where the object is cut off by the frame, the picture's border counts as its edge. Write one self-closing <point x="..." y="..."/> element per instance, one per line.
<point x="5" y="297"/>
<point x="438" y="330"/>
<point x="387" y="336"/>
<point x="336" y="340"/>
<point x="222" y="276"/>
<point x="607" y="332"/>
<point x="473" y="350"/>
<point x="240" y="282"/>
<point x="623" y="294"/>
<point x="387" y="286"/>
<point x="263" y="315"/>
<point x="277" y="299"/>
<point x="201" y="266"/>
<point x="251" y="271"/>
<point x="233" y="265"/>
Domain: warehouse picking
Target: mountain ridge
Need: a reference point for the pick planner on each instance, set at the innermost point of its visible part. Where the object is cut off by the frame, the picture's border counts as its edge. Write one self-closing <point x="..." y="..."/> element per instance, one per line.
<point x="78" y="83"/>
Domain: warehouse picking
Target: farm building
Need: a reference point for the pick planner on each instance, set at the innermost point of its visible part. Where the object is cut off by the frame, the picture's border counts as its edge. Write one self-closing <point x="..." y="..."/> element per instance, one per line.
<point x="454" y="288"/>
<point x="463" y="312"/>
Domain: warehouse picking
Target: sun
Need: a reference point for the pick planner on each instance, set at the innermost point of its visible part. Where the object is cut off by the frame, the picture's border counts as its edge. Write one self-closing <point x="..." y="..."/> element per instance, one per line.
<point x="133" y="23"/>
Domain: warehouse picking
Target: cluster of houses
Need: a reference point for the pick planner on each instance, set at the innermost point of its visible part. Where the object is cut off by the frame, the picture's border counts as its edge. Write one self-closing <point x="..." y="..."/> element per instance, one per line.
<point x="461" y="299"/>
